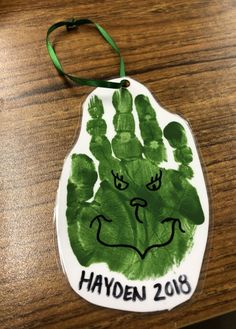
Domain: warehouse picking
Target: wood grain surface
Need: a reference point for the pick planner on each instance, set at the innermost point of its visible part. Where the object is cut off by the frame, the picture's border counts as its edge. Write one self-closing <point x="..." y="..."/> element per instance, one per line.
<point x="184" y="51"/>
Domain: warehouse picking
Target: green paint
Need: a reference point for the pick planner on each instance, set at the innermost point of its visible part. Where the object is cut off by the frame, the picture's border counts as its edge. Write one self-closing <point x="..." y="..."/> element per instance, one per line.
<point x="113" y="227"/>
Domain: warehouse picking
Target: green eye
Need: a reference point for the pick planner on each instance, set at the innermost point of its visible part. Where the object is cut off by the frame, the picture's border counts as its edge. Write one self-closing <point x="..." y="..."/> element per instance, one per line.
<point x="119" y="182"/>
<point x="155" y="183"/>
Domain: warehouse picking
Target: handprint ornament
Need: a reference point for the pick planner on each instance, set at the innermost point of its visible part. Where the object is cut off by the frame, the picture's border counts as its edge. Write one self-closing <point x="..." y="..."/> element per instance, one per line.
<point x="132" y="210"/>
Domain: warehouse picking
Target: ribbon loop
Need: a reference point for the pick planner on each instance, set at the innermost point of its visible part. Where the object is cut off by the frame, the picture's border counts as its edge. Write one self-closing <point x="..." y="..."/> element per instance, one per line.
<point x="71" y="24"/>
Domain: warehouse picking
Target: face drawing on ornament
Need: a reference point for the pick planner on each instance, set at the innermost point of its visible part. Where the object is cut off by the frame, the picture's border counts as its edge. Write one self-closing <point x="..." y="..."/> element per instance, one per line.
<point x="142" y="218"/>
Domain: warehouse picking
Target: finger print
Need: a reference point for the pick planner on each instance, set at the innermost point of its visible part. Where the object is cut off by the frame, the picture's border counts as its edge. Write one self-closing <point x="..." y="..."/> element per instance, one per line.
<point x="154" y="148"/>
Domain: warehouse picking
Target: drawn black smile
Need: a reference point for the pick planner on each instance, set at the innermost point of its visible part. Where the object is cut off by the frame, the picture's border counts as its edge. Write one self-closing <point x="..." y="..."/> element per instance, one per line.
<point x="174" y="222"/>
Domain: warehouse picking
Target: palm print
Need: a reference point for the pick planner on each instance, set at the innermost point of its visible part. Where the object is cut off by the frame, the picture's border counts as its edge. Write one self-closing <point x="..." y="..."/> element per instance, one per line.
<point x="142" y="218"/>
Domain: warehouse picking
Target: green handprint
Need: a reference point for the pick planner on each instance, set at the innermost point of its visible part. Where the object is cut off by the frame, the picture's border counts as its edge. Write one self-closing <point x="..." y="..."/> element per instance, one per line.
<point x="142" y="218"/>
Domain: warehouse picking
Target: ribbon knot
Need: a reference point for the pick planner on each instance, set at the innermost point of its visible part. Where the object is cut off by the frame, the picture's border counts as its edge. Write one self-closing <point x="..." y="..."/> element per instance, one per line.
<point x="71" y="24"/>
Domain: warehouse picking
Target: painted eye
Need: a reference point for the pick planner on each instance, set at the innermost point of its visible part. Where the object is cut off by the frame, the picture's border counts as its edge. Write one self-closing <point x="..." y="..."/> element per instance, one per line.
<point x="119" y="182"/>
<point x="155" y="183"/>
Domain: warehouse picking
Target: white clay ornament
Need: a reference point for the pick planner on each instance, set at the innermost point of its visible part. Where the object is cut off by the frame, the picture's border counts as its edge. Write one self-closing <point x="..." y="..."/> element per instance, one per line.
<point x="132" y="210"/>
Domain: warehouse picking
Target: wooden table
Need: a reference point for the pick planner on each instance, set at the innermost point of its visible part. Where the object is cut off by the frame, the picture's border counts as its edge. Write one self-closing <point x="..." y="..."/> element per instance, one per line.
<point x="185" y="53"/>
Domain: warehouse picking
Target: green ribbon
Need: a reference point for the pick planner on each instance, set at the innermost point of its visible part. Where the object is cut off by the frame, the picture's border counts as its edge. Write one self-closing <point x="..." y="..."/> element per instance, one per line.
<point x="71" y="24"/>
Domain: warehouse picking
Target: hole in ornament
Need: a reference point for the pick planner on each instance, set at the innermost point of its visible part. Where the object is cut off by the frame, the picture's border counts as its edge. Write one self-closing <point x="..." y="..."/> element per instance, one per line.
<point x="125" y="83"/>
